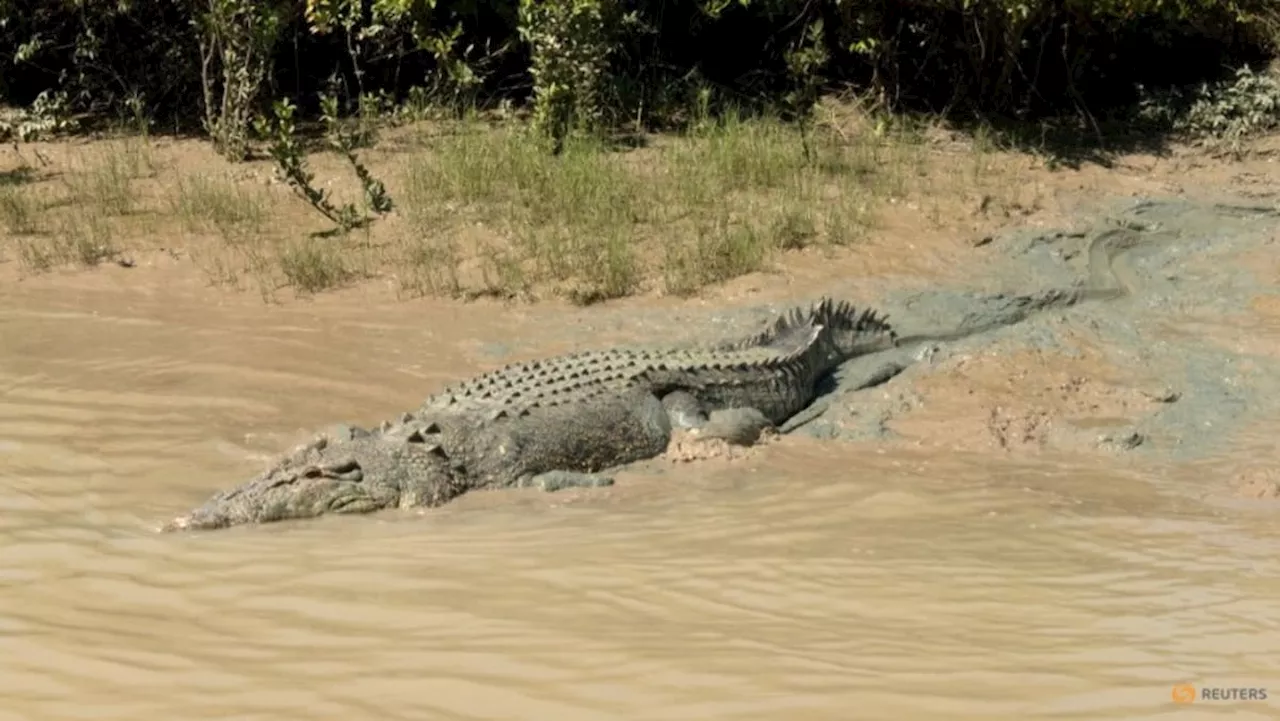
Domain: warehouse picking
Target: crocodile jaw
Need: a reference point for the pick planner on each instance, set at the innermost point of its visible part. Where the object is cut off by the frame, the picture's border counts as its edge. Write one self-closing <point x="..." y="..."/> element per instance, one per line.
<point x="332" y="476"/>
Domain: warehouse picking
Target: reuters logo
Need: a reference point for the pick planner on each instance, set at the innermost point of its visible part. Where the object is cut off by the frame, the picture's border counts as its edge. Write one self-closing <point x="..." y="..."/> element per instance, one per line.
<point x="1184" y="693"/>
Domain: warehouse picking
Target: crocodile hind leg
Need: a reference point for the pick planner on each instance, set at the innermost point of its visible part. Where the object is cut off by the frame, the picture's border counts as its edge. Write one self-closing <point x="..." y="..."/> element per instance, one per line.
<point x="739" y="426"/>
<point x="684" y="410"/>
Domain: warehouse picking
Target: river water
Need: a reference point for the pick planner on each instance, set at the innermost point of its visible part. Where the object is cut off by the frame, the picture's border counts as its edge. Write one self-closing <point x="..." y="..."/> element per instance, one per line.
<point x="812" y="581"/>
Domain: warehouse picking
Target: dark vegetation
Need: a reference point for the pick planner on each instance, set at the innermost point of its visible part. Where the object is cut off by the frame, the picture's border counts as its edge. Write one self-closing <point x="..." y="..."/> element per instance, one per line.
<point x="733" y="84"/>
<point x="212" y="65"/>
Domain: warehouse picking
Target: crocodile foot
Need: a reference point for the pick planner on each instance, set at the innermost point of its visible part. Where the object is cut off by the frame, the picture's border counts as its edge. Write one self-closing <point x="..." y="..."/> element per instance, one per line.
<point x="736" y="426"/>
<point x="728" y="434"/>
<point x="684" y="410"/>
<point x="553" y="481"/>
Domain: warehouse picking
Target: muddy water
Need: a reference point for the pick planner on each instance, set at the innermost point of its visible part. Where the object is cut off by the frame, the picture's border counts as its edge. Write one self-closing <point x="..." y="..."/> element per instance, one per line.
<point x="818" y="581"/>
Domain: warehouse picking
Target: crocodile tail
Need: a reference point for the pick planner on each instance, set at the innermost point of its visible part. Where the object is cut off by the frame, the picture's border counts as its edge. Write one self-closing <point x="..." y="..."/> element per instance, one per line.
<point x="844" y="316"/>
<point x="853" y="332"/>
<point x="790" y="332"/>
<point x="796" y="340"/>
<point x="795" y="331"/>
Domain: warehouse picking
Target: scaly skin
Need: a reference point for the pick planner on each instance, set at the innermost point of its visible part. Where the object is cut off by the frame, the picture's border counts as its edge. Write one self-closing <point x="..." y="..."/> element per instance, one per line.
<point x="423" y="463"/>
<point x="774" y="371"/>
<point x="556" y="423"/>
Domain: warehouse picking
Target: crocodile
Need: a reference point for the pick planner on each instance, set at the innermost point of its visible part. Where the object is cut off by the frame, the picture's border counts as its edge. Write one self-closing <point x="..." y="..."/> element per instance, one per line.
<point x="560" y="422"/>
<point x="557" y="422"/>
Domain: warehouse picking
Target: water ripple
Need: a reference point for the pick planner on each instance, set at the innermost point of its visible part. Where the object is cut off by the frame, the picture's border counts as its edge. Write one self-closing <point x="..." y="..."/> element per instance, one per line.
<point x="816" y="583"/>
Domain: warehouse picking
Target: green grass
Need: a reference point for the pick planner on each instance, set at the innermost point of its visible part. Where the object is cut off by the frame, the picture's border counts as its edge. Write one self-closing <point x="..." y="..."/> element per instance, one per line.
<point x="312" y="264"/>
<point x="204" y="204"/>
<point x="19" y="211"/>
<point x="87" y="238"/>
<point x="82" y="226"/>
<point x="594" y="223"/>
<point x="484" y="209"/>
<point x="105" y="182"/>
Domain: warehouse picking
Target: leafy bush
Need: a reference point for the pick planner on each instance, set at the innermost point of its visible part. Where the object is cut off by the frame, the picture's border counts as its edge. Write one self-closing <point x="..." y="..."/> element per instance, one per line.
<point x="216" y="63"/>
<point x="1233" y="111"/>
<point x="1222" y="114"/>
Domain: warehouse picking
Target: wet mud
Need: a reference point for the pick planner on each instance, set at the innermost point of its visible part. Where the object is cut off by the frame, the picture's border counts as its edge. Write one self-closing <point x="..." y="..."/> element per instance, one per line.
<point x="1176" y="392"/>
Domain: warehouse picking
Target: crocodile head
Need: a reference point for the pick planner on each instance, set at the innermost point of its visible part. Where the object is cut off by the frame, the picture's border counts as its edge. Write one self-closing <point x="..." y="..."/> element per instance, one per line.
<point x="351" y="475"/>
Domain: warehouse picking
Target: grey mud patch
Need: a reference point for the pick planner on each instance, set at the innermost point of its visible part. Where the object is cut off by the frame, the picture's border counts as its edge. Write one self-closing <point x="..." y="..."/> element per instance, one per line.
<point x="1183" y="265"/>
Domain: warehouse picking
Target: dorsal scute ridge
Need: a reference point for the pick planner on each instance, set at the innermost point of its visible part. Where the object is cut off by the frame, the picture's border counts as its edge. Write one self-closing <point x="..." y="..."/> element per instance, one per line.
<point x="794" y="340"/>
<point x="783" y="325"/>
<point x="843" y="315"/>
<point x="826" y="312"/>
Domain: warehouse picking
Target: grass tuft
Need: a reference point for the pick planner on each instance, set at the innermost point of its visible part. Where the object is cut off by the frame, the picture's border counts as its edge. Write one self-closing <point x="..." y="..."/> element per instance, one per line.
<point x="312" y="265"/>
<point x="204" y="204"/>
<point x="19" y="212"/>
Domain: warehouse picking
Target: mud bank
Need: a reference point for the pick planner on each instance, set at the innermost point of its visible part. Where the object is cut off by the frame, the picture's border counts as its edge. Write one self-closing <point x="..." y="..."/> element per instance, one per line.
<point x="1187" y="358"/>
<point x="1170" y="371"/>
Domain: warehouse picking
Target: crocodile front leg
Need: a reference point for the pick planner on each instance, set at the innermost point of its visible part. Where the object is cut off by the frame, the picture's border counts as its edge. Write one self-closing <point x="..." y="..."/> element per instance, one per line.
<point x="553" y="481"/>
